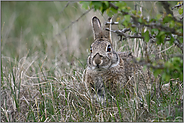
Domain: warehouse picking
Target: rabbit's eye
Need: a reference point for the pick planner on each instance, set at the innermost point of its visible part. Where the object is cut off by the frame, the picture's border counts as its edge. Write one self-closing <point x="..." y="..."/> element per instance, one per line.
<point x="109" y="48"/>
<point x="91" y="49"/>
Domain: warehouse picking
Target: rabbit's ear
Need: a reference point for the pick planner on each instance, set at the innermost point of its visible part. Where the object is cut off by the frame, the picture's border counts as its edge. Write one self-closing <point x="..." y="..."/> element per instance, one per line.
<point x="97" y="30"/>
<point x="108" y="33"/>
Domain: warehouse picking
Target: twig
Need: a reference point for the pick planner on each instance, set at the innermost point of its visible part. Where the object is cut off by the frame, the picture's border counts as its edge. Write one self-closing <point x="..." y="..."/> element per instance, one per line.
<point x="178" y="44"/>
<point x="112" y="23"/>
<point x="164" y="50"/>
<point x="160" y="27"/>
<point x="177" y="6"/>
<point x="74" y="21"/>
<point x="64" y="7"/>
<point x="122" y="32"/>
<point x="151" y="25"/>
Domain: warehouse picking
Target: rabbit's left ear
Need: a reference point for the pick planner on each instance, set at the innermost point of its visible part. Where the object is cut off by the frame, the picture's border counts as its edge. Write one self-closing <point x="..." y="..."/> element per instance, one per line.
<point x="97" y="30"/>
<point x="108" y="33"/>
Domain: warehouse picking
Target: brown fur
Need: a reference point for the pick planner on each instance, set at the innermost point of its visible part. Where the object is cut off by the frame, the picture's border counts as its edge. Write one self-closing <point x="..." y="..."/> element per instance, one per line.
<point x="109" y="71"/>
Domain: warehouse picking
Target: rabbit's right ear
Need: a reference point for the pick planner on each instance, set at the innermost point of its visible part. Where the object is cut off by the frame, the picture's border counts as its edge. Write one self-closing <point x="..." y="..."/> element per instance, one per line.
<point x="97" y="30"/>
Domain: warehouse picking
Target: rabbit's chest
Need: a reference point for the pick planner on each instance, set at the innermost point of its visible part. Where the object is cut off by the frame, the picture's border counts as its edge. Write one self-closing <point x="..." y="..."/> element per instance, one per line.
<point x="111" y="79"/>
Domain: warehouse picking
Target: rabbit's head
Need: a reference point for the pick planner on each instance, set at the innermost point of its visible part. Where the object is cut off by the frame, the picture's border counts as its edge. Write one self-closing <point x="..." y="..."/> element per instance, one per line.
<point x="102" y="55"/>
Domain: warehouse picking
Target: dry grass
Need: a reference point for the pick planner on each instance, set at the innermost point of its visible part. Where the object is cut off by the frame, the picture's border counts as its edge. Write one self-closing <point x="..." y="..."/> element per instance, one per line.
<point x="41" y="73"/>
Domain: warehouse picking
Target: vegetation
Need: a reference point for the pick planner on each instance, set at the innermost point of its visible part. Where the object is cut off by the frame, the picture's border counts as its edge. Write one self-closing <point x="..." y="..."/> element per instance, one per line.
<point x="44" y="47"/>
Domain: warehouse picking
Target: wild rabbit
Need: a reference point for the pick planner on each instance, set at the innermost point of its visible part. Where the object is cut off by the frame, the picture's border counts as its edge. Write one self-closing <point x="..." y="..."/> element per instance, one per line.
<point x="108" y="71"/>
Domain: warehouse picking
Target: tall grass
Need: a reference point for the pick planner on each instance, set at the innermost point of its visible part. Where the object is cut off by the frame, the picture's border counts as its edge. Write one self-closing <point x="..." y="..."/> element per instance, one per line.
<point x="42" y="69"/>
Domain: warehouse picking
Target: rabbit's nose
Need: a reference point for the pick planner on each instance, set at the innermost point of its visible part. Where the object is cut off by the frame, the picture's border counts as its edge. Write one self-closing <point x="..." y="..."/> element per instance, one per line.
<point x="97" y="59"/>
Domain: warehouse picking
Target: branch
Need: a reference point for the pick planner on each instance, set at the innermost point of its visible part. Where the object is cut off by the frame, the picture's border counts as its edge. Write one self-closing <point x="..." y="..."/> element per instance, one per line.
<point x="112" y="23"/>
<point x="178" y="44"/>
<point x="74" y="21"/>
<point x="64" y="7"/>
<point x="151" y="25"/>
<point x="163" y="28"/>
<point x="177" y="6"/>
<point x="116" y="7"/>
<point x="122" y="33"/>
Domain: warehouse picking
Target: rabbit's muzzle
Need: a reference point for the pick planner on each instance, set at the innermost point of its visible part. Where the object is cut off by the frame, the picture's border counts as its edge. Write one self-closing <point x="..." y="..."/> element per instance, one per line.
<point x="97" y="61"/>
<point x="100" y="62"/>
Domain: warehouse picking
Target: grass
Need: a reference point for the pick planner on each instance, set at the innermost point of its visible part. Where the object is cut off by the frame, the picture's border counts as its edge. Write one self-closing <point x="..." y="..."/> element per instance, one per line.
<point x="42" y="72"/>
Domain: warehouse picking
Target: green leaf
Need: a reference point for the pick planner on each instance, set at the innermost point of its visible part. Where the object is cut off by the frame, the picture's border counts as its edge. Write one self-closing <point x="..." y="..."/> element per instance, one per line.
<point x="158" y="16"/>
<point x="152" y="20"/>
<point x="146" y="36"/>
<point x="179" y="24"/>
<point x="180" y="11"/>
<point x="168" y="64"/>
<point x="156" y="72"/>
<point x="139" y="12"/>
<point x="173" y="68"/>
<point x="167" y="18"/>
<point x="111" y="11"/>
<point x="144" y="68"/>
<point x="106" y="3"/>
<point x="85" y="4"/>
<point x="96" y="4"/>
<point x="181" y="39"/>
<point x="140" y="20"/>
<point x="134" y="12"/>
<point x="165" y="77"/>
<point x="121" y="5"/>
<point x="160" y="37"/>
<point x="104" y="7"/>
<point x="114" y="10"/>
<point x="133" y="29"/>
<point x="126" y="20"/>
<point x="154" y="31"/>
<point x="161" y="33"/>
<point x="172" y="24"/>
<point x="172" y="40"/>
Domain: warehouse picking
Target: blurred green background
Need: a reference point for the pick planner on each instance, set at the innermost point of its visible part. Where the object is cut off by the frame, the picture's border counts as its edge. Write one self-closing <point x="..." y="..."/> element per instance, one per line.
<point x="28" y="28"/>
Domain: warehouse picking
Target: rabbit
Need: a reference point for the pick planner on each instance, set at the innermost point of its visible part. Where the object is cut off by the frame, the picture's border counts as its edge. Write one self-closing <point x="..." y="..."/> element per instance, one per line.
<point x="108" y="71"/>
